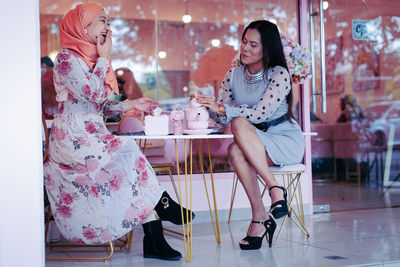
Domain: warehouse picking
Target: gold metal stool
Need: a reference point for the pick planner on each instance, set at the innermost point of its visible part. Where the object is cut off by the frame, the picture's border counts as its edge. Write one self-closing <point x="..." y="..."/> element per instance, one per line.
<point x="291" y="181"/>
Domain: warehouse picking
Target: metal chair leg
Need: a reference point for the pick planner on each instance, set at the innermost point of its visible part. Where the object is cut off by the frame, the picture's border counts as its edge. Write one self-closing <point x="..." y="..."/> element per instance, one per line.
<point x="291" y="181"/>
<point x="233" y="194"/>
<point x="124" y="243"/>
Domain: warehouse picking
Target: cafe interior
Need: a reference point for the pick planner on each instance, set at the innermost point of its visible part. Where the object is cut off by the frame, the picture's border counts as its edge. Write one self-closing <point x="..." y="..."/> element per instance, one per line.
<point x="348" y="194"/>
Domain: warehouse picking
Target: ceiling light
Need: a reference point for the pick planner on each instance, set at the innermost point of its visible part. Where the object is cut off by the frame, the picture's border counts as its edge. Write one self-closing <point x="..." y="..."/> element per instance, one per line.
<point x="162" y="54"/>
<point x="325" y="5"/>
<point x="215" y="42"/>
<point x="186" y="18"/>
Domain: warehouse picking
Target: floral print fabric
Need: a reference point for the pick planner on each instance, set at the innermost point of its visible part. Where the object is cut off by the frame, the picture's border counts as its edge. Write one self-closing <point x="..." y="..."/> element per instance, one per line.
<point x="99" y="185"/>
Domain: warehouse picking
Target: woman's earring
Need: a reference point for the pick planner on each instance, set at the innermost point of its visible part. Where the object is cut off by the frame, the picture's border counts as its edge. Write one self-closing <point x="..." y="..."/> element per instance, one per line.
<point x="86" y="31"/>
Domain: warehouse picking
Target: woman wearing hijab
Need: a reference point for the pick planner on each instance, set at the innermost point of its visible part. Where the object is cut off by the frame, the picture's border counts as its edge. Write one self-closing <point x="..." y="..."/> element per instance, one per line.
<point x="100" y="186"/>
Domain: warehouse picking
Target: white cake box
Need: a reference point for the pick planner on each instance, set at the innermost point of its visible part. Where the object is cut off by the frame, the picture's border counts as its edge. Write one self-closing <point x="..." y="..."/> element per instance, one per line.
<point x="156" y="125"/>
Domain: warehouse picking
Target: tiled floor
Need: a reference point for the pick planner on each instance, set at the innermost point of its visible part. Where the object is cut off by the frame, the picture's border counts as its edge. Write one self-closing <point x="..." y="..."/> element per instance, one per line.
<point x="350" y="196"/>
<point x="355" y="237"/>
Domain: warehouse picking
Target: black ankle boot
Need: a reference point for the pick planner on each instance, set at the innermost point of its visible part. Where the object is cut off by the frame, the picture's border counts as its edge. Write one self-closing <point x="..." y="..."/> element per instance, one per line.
<point x="154" y="244"/>
<point x="168" y="210"/>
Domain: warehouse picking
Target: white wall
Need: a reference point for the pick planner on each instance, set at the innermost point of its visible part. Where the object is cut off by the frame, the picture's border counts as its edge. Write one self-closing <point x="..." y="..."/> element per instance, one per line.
<point x="21" y="194"/>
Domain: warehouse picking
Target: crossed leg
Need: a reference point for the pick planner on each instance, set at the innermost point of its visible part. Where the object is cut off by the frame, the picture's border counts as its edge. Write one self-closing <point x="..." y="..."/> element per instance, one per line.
<point x="248" y="157"/>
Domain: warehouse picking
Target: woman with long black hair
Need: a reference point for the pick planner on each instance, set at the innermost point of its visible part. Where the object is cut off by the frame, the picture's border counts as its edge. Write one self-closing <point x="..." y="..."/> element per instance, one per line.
<point x="256" y="99"/>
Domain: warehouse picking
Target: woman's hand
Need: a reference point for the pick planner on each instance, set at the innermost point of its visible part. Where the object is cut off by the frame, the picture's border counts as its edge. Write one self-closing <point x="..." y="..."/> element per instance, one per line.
<point x="207" y="101"/>
<point x="142" y="104"/>
<point x="104" y="49"/>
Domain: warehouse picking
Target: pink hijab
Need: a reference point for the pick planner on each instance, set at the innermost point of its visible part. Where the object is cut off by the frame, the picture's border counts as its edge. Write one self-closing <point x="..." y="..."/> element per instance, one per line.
<point x="74" y="37"/>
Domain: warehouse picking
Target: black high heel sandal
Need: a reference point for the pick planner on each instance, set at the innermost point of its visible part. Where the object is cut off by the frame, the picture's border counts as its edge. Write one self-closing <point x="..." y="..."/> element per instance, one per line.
<point x="279" y="212"/>
<point x="255" y="242"/>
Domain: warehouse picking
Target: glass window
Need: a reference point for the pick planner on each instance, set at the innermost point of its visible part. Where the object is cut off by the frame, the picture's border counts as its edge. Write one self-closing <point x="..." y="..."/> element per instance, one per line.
<point x="170" y="58"/>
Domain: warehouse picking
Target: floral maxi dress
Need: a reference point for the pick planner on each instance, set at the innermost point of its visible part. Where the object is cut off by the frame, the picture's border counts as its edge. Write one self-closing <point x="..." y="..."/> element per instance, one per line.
<point x="99" y="185"/>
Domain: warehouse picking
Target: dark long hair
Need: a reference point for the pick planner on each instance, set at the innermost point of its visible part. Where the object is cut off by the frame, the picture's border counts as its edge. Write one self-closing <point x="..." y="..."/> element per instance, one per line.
<point x="272" y="52"/>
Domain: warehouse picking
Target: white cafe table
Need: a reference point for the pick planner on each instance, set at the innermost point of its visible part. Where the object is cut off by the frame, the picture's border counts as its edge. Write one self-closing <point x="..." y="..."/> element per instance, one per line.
<point x="187" y="229"/>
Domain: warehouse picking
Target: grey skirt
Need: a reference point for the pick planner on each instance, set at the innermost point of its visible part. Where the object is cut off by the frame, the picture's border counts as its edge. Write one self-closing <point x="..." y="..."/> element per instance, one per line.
<point x="284" y="143"/>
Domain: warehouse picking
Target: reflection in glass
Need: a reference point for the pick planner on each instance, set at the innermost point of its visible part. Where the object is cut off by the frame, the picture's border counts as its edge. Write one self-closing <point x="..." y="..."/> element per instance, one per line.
<point x="168" y="58"/>
<point x="366" y="71"/>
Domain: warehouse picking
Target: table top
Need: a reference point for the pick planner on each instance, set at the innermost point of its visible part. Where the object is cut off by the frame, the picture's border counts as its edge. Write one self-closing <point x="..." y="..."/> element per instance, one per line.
<point x="188" y="136"/>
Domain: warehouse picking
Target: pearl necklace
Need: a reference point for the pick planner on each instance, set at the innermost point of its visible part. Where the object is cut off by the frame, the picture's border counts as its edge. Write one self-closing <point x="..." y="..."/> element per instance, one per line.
<point x="253" y="78"/>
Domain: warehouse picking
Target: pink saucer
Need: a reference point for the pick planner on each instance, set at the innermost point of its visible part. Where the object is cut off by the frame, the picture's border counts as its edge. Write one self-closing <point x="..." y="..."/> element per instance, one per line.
<point x="199" y="132"/>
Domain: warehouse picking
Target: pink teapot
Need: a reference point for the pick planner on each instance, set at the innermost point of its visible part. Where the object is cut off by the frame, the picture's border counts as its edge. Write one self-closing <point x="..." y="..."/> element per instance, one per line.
<point x="196" y="116"/>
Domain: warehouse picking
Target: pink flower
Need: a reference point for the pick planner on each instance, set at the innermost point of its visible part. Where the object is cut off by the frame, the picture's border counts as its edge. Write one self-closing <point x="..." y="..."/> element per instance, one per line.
<point x="63" y="56"/>
<point x="101" y="178"/>
<point x="98" y="73"/>
<point x="66" y="198"/>
<point x="84" y="180"/>
<point x="92" y="165"/>
<point x="298" y="59"/>
<point x="64" y="68"/>
<point x="144" y="178"/>
<point x="89" y="233"/>
<point x="290" y="64"/>
<point x="82" y="141"/>
<point x="106" y="235"/>
<point x="287" y="50"/>
<point x="80" y="168"/>
<point x="116" y="182"/>
<point x="94" y="192"/>
<point x="65" y="211"/>
<point x="131" y="213"/>
<point x="144" y="214"/>
<point x="114" y="145"/>
<point x="48" y="182"/>
<point x="64" y="167"/>
<point x="86" y="90"/>
<point x="59" y="133"/>
<point x="107" y="138"/>
<point x="95" y="94"/>
<point x="110" y="166"/>
<point x="90" y="128"/>
<point x="105" y="92"/>
<point x="140" y="164"/>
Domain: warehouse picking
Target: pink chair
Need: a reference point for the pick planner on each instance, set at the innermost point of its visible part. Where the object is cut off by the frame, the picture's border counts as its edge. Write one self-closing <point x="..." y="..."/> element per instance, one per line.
<point x="130" y="124"/>
<point x="322" y="144"/>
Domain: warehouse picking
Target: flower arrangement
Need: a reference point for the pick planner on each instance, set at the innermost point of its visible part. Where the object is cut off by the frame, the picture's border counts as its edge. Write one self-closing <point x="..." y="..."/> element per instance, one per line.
<point x="298" y="60"/>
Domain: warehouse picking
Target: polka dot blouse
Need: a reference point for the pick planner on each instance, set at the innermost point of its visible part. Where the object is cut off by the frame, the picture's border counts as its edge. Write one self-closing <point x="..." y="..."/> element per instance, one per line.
<point x="277" y="86"/>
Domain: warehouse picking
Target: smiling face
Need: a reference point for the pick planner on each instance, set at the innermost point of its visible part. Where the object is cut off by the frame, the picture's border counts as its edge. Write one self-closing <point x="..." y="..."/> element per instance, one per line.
<point x="251" y="50"/>
<point x="98" y="27"/>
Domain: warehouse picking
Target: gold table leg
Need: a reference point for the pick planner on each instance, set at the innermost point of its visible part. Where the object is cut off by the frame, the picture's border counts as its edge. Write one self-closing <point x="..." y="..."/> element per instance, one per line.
<point x="216" y="223"/>
<point x="186" y="228"/>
